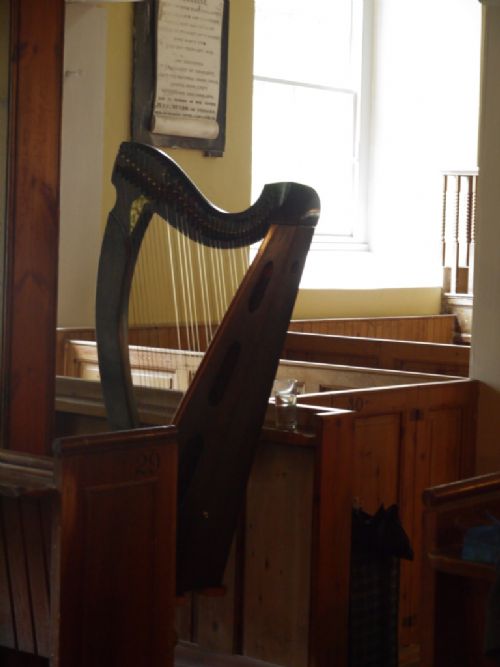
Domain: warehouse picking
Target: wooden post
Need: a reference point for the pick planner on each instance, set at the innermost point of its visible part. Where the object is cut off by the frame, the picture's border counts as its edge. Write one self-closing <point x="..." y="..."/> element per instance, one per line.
<point x="28" y="355"/>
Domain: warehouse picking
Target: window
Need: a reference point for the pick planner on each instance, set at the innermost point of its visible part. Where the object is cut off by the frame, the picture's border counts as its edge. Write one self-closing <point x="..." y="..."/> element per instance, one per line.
<point x="308" y="106"/>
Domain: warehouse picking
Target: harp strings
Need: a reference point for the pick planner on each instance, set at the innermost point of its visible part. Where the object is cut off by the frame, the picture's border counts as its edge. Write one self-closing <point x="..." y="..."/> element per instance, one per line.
<point x="180" y="292"/>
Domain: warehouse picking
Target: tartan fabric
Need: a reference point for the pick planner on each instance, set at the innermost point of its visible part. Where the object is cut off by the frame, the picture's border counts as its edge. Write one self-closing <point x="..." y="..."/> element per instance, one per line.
<point x="373" y="613"/>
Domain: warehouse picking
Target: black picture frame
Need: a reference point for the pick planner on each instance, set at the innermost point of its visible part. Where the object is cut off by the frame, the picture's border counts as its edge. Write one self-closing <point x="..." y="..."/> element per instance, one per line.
<point x="144" y="85"/>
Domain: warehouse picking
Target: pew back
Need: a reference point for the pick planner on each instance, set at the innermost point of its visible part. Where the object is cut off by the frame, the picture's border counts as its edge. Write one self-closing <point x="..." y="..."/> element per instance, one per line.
<point x="432" y="329"/>
<point x="425" y="328"/>
<point x="414" y="356"/>
<point x="173" y="369"/>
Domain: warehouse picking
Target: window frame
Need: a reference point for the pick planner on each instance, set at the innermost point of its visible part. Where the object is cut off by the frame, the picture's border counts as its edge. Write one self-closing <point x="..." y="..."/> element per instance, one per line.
<point x="357" y="237"/>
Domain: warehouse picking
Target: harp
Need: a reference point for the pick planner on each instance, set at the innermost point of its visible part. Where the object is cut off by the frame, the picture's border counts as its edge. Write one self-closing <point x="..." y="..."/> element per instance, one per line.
<point x="219" y="419"/>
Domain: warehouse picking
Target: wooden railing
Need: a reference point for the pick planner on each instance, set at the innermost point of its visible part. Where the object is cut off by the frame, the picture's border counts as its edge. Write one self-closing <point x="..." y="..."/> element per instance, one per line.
<point x="458" y="230"/>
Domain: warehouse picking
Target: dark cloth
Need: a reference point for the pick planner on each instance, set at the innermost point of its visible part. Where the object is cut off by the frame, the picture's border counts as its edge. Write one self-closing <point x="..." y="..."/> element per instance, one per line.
<point x="378" y="542"/>
<point x="492" y="625"/>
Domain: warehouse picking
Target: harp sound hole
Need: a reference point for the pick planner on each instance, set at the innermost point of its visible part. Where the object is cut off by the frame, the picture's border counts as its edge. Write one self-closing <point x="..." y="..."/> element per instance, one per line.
<point x="192" y="450"/>
<point x="259" y="290"/>
<point x="216" y="393"/>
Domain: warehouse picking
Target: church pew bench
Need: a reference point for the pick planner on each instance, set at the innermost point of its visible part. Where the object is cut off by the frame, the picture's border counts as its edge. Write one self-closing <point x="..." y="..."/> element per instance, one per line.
<point x="290" y="559"/>
<point x="422" y="357"/>
<point x="87" y="573"/>
<point x="173" y="369"/>
<point x="405" y="440"/>
<point x="425" y="328"/>
<point x="376" y="351"/>
<point x="455" y="591"/>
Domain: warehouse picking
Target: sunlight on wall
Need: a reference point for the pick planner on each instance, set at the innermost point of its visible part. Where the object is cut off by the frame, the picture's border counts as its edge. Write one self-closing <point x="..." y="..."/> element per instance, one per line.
<point x="425" y="110"/>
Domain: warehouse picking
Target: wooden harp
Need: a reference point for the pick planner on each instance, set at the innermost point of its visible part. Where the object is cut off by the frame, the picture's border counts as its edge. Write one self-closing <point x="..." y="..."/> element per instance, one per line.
<point x="221" y="414"/>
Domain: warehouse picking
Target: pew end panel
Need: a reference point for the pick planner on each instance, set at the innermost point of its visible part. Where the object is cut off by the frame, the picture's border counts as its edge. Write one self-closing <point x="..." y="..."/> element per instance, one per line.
<point x="405" y="439"/>
<point x="454" y="590"/>
<point x="87" y="557"/>
<point x="287" y="582"/>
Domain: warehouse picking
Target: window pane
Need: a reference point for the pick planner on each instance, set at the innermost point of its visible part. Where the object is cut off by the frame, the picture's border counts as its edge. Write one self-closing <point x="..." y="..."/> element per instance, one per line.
<point x="306" y="135"/>
<point x="304" y="41"/>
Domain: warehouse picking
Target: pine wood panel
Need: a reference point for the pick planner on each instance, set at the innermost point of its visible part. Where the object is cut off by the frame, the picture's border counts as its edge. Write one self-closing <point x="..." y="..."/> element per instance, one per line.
<point x="114" y="575"/>
<point x="425" y="433"/>
<point x="377" y="353"/>
<point x="174" y="369"/>
<point x="88" y="579"/>
<point x="294" y="565"/>
<point x="278" y="556"/>
<point x="377" y="464"/>
<point x="217" y="618"/>
<point x="32" y="223"/>
<point x="428" y="328"/>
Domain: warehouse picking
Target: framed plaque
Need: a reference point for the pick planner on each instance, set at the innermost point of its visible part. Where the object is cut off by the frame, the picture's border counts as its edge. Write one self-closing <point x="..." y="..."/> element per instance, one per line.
<point x="180" y="74"/>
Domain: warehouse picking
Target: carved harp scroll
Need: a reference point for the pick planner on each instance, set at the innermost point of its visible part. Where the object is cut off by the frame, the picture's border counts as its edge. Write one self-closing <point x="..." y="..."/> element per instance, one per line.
<point x="221" y="414"/>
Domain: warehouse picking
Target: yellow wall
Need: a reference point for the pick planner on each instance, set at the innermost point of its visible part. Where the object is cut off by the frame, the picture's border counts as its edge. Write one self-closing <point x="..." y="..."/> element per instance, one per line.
<point x="367" y="303"/>
<point x="227" y="180"/>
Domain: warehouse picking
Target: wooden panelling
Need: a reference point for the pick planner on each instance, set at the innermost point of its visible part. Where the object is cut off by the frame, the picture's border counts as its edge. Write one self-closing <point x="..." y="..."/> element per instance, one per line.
<point x="406" y="439"/>
<point x="16" y="554"/>
<point x="87" y="551"/>
<point x="427" y="328"/>
<point x="218" y="622"/>
<point x="376" y="353"/>
<point x="377" y="461"/>
<point x="337" y="344"/>
<point x="388" y="450"/>
<point x="174" y="369"/>
<point x="294" y="562"/>
<point x="278" y="555"/>
<point x="24" y="624"/>
<point x="114" y="576"/>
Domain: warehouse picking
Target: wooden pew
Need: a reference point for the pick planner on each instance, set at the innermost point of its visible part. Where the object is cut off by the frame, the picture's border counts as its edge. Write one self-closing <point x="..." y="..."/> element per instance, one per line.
<point x="454" y="590"/>
<point x="287" y="581"/>
<point x="425" y="328"/>
<point x="172" y="369"/>
<point x="87" y="572"/>
<point x="440" y="358"/>
<point x="405" y="438"/>
<point x="423" y="357"/>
